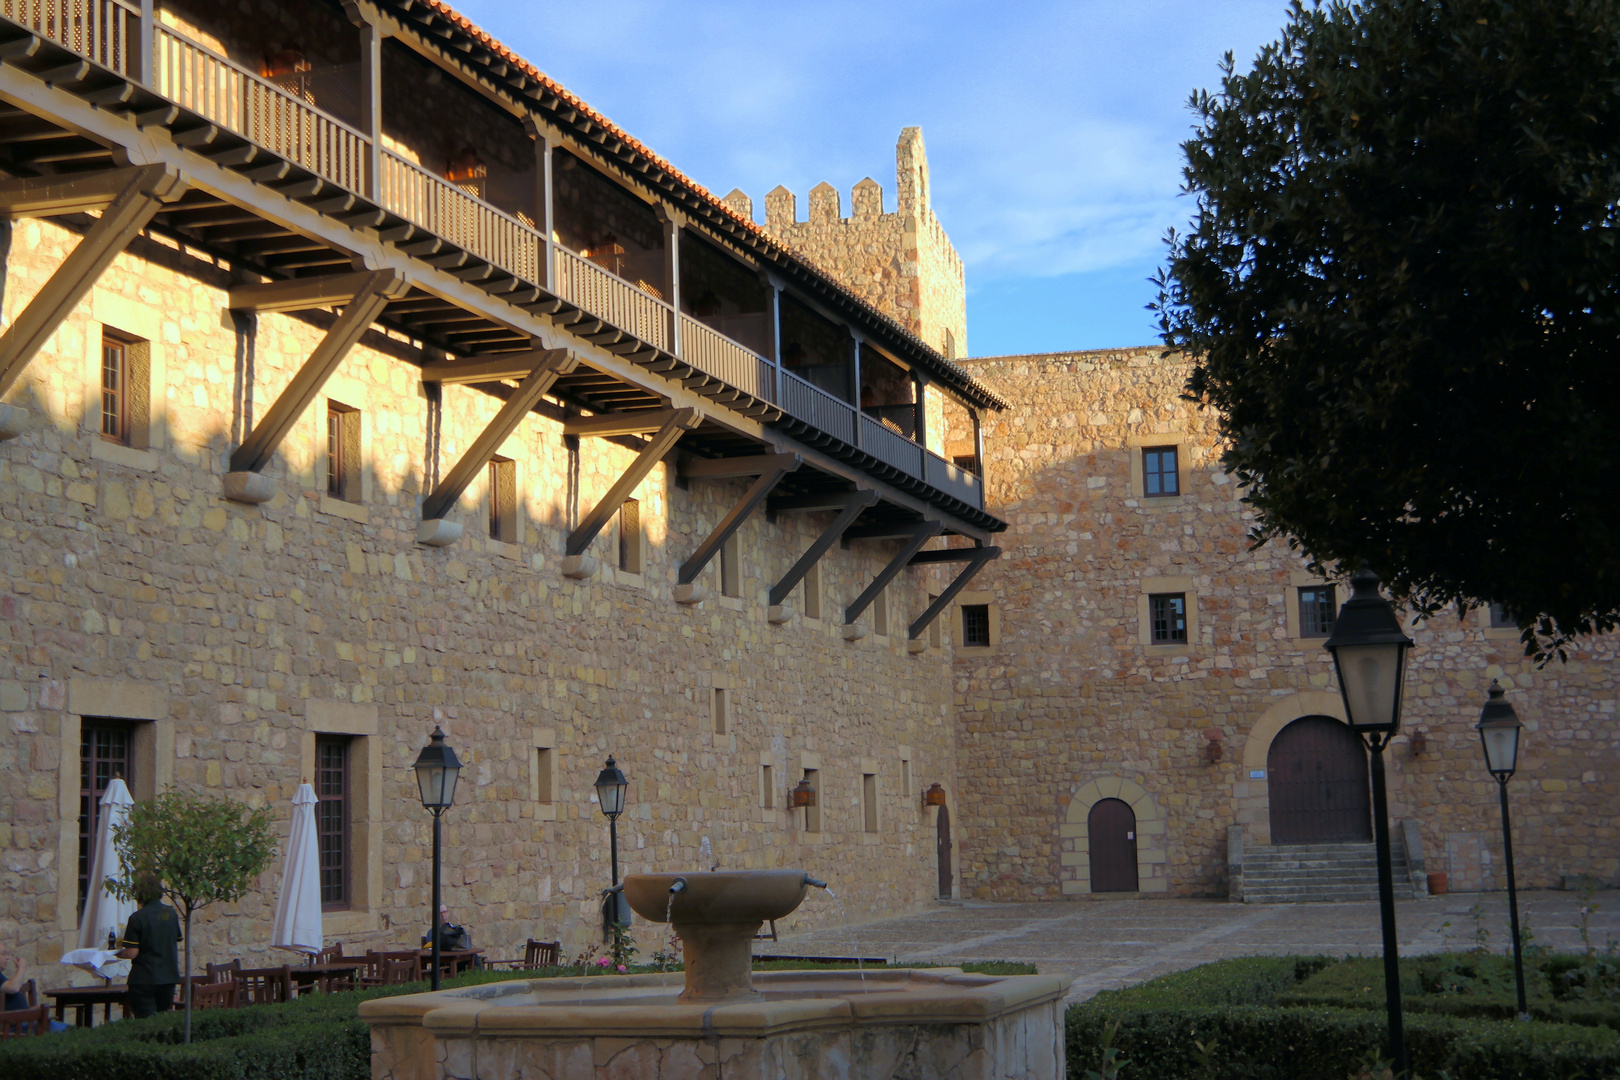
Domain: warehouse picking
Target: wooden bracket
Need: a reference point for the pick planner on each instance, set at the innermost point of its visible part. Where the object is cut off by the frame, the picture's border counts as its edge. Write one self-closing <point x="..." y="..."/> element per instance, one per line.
<point x="733" y="467"/>
<point x="920" y="534"/>
<point x="769" y="476"/>
<point x="128" y="198"/>
<point x="976" y="557"/>
<point x="544" y="368"/>
<point x="849" y="505"/>
<point x="679" y="422"/>
<point x="299" y="294"/>
<point x="494" y="369"/>
<point x="367" y="303"/>
<point x="609" y="425"/>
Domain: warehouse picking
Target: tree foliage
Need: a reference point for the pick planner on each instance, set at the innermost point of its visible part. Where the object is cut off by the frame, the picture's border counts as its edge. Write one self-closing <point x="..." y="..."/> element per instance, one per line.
<point x="1401" y="291"/>
<point x="204" y="850"/>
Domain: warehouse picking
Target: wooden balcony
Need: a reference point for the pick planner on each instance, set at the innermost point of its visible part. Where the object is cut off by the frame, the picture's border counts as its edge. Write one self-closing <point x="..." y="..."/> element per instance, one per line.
<point x="448" y="227"/>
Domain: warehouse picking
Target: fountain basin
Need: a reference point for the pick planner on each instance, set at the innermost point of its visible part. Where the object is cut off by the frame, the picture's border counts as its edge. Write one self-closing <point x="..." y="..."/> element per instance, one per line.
<point x="804" y="1024"/>
<point x="729" y="896"/>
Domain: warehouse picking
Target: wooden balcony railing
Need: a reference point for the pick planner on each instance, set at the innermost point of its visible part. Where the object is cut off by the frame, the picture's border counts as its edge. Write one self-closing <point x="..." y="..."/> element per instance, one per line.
<point x="107" y="32"/>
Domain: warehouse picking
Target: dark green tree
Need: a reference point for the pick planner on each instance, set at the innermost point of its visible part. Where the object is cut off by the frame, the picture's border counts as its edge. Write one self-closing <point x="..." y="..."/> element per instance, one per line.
<point x="1401" y="291"/>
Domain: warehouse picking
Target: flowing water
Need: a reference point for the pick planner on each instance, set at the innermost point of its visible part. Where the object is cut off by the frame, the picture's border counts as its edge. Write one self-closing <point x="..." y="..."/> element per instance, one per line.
<point x="669" y="934"/>
<point x="850" y="932"/>
<point x="706" y="856"/>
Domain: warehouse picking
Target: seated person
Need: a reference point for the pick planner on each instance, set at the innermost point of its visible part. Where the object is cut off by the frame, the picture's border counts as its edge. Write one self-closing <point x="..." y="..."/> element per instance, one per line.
<point x="12" y="997"/>
<point x="452" y="936"/>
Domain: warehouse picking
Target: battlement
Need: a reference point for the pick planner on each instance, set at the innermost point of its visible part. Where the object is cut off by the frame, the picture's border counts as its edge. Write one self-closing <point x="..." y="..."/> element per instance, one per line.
<point x="902" y="261"/>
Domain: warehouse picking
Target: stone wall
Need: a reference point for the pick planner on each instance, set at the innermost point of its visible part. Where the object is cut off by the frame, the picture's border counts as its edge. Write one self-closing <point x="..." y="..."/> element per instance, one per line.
<point x="901" y="262"/>
<point x="232" y="634"/>
<point x="1070" y="699"/>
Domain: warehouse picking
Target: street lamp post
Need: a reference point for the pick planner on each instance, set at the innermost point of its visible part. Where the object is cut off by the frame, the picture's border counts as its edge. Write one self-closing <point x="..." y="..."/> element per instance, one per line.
<point x="1499" y="729"/>
<point x="437" y="769"/>
<point x="610" y="787"/>
<point x="1369" y="654"/>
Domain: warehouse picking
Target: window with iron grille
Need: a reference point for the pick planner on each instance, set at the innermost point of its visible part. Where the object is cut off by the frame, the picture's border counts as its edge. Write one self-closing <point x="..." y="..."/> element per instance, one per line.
<point x="976" y="626"/>
<point x="1168" y="614"/>
<point x="1161" y="475"/>
<point x="342" y="452"/>
<point x="1317" y="611"/>
<point x="503" y="500"/>
<point x="731" y="566"/>
<point x="105" y="751"/>
<point x="1500" y="619"/>
<point x="630" y="536"/>
<point x="332" y="818"/>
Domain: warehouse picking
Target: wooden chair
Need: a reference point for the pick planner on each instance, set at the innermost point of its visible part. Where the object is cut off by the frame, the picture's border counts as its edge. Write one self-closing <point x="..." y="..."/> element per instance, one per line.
<point x="536" y="954"/>
<point x="223" y="973"/>
<point x="265" y="986"/>
<point x="398" y="972"/>
<point x="376" y="963"/>
<point x="31" y="992"/>
<point x="219" y="995"/>
<point x="330" y="954"/>
<point x="20" y="1022"/>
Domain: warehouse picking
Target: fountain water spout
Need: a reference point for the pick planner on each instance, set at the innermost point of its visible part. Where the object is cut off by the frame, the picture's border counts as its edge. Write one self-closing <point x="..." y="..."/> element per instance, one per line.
<point x="817" y="882"/>
<point x="679" y="886"/>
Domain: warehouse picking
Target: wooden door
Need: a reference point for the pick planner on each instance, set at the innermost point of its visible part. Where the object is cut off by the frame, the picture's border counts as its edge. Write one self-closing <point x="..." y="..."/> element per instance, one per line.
<point x="1112" y="828"/>
<point x="942" y="848"/>
<point x="1316" y="774"/>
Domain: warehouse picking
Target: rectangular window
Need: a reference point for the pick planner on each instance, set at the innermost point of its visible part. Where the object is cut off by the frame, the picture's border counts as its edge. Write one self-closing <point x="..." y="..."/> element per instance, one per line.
<point x="869" y="801"/>
<point x="503" y="500"/>
<point x="342" y="452"/>
<point x="1168" y="612"/>
<point x="976" y="626"/>
<point x="905" y="778"/>
<point x="1316" y="611"/>
<point x="933" y="627"/>
<point x="730" y="567"/>
<point x="332" y="818"/>
<point x="1500" y="619"/>
<point x="630" y="536"/>
<point x="812" y="592"/>
<point x="880" y="614"/>
<point x="1161" y="476"/>
<point x="812" y="814"/>
<point x="719" y="706"/>
<point x="105" y="751"/>
<point x="543" y="766"/>
<point x="114" y="390"/>
<point x="767" y="787"/>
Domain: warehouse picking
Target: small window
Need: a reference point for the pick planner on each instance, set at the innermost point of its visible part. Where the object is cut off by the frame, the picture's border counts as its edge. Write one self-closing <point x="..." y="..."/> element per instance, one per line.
<point x="1500" y="619"/>
<point x="106" y="750"/>
<point x="730" y="567"/>
<point x="976" y="626"/>
<point x="950" y="345"/>
<point x="719" y="708"/>
<point x="933" y="627"/>
<point x="1316" y="611"/>
<point x="630" y="536"/>
<point x="869" y="801"/>
<point x="342" y="452"/>
<point x="543" y="771"/>
<point x="1161" y="476"/>
<point x="812" y="814"/>
<point x="812" y="592"/>
<point x="767" y="787"/>
<point x="125" y="390"/>
<point x="905" y="778"/>
<point x="332" y="818"/>
<point x="968" y="463"/>
<point x="503" y="500"/>
<point x="880" y="614"/>
<point x="1168" y="612"/>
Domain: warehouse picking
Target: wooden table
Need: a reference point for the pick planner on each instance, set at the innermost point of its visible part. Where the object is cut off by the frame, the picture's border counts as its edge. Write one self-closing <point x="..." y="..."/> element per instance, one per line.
<point x="452" y="961"/>
<point x="310" y="974"/>
<point x="84" y="999"/>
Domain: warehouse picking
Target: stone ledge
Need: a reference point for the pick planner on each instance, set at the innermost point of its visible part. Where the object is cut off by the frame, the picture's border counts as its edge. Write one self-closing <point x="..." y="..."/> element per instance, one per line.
<point x="578" y="567"/>
<point x="248" y="487"/>
<point x="437" y="532"/>
<point x="778" y="614"/>
<point x="13" y="421"/>
<point x="854" y="631"/>
<point x="689" y="594"/>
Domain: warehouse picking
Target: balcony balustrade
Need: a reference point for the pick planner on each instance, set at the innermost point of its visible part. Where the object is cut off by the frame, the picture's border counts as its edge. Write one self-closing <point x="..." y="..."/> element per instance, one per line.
<point x="199" y="79"/>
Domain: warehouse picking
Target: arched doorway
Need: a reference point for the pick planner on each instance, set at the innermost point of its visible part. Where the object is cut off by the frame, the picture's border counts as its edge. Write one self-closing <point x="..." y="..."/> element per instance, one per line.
<point x="1316" y="776"/>
<point x="1112" y="828"/>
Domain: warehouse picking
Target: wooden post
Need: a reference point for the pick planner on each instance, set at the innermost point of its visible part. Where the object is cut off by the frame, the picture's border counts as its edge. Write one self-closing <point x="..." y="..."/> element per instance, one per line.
<point x="147" y="63"/>
<point x="855" y="380"/>
<point x="919" y="394"/>
<point x="672" y="273"/>
<point x="543" y="213"/>
<point x="371" y="39"/>
<point x="978" y="444"/>
<point x="773" y="331"/>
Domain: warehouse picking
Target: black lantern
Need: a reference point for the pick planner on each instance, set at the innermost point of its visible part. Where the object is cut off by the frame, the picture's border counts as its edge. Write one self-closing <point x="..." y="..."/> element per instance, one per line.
<point x="1369" y="653"/>
<point x="437" y="769"/>
<point x="934" y="796"/>
<point x="610" y="786"/>
<point x="1499" y="729"/>
<point x="803" y="796"/>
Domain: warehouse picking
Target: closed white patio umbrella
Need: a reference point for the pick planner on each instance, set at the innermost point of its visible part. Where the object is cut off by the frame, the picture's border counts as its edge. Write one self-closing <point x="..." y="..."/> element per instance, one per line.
<point x="104" y="912"/>
<point x="298" y="909"/>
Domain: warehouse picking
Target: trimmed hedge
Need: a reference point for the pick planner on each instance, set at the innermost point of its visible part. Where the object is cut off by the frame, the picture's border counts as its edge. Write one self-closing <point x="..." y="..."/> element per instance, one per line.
<point x="1237" y="1004"/>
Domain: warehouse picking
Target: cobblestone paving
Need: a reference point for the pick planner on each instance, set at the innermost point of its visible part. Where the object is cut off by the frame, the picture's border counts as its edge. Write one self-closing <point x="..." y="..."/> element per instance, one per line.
<point x="1113" y="943"/>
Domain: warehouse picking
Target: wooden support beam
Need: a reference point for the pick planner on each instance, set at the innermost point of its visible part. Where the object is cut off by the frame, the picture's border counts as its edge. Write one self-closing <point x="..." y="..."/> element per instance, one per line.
<point x="945" y="555"/>
<point x="129" y="211"/>
<point x="299" y="294"/>
<point x="461" y="372"/>
<point x="680" y="421"/>
<point x="740" y="513"/>
<point x="546" y="366"/>
<point x="818" y="503"/>
<point x="75" y="193"/>
<point x="850" y="506"/>
<point x="368" y="303"/>
<point x="732" y="467"/>
<point x="886" y="530"/>
<point x="607" y="425"/>
<point x="976" y="557"/>
<point x="921" y="533"/>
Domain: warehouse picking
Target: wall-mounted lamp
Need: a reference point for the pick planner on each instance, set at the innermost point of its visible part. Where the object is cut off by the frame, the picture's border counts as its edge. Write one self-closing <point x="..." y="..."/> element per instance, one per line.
<point x="934" y="796"/>
<point x="1214" y="747"/>
<point x="803" y="795"/>
<point x="1420" y="743"/>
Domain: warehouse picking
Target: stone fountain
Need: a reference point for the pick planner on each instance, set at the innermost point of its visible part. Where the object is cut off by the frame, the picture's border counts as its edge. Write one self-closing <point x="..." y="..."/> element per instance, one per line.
<point x="719" y="1019"/>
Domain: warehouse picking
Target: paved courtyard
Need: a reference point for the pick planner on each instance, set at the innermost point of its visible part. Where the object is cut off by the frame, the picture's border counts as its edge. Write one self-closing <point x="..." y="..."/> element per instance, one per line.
<point x="1105" y="944"/>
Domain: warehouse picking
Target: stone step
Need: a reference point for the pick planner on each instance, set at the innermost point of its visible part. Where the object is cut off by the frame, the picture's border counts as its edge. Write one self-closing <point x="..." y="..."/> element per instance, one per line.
<point x="1319" y="873"/>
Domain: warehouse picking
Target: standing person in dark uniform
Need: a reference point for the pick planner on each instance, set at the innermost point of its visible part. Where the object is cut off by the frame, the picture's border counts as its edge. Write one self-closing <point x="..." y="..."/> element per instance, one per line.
<point x="153" y="939"/>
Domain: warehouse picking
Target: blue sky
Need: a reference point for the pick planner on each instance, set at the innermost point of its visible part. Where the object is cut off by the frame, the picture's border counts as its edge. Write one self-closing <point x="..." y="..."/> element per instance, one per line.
<point x="1053" y="129"/>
